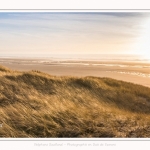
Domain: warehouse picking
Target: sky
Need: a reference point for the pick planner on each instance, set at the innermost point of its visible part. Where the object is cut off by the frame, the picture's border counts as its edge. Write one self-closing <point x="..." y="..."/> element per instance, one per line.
<point x="52" y="33"/>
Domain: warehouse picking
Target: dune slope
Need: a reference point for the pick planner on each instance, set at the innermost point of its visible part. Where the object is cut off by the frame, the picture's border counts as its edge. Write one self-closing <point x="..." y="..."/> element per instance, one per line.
<point x="35" y="104"/>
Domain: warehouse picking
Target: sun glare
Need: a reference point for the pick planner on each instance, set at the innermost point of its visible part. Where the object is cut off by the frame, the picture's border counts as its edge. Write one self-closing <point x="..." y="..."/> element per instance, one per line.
<point x="143" y="44"/>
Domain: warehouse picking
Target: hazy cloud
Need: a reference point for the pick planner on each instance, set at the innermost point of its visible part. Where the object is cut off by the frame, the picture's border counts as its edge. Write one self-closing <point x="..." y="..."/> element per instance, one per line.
<point x="70" y="32"/>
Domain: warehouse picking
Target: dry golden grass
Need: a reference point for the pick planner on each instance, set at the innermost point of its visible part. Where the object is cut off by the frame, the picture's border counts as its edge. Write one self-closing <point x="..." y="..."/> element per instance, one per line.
<point x="35" y="104"/>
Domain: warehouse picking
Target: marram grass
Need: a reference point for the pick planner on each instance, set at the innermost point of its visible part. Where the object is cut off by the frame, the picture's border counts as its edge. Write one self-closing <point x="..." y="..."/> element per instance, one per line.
<point x="35" y="104"/>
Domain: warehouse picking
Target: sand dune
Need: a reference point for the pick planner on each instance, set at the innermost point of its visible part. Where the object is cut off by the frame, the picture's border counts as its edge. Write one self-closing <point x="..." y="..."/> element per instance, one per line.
<point x="36" y="104"/>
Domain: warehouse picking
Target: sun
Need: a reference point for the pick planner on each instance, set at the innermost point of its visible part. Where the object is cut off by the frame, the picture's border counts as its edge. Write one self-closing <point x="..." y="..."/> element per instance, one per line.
<point x="143" y="43"/>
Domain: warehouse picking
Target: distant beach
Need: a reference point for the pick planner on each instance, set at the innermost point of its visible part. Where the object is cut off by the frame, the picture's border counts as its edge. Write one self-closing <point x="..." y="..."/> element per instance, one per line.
<point x="126" y="69"/>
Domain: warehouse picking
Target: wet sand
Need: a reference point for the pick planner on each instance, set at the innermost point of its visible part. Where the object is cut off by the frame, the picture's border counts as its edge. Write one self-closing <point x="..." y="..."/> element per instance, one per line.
<point x="135" y="72"/>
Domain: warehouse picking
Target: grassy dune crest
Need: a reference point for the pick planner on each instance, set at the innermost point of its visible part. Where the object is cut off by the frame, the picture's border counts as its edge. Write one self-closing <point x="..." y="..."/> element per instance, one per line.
<point x="35" y="104"/>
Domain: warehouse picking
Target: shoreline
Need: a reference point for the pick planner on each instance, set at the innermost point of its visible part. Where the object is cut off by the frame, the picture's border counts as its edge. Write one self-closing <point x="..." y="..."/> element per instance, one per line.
<point x="137" y="73"/>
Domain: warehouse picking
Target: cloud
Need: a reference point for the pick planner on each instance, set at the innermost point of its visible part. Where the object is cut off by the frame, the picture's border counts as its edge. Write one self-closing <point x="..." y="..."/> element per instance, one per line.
<point x="69" y="30"/>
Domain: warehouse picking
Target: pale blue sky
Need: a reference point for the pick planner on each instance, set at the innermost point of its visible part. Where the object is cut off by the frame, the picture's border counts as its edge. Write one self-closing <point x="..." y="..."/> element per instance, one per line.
<point x="71" y="33"/>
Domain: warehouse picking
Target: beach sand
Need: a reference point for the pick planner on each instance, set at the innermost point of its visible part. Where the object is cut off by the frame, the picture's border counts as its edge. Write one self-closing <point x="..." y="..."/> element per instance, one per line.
<point x="135" y="72"/>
